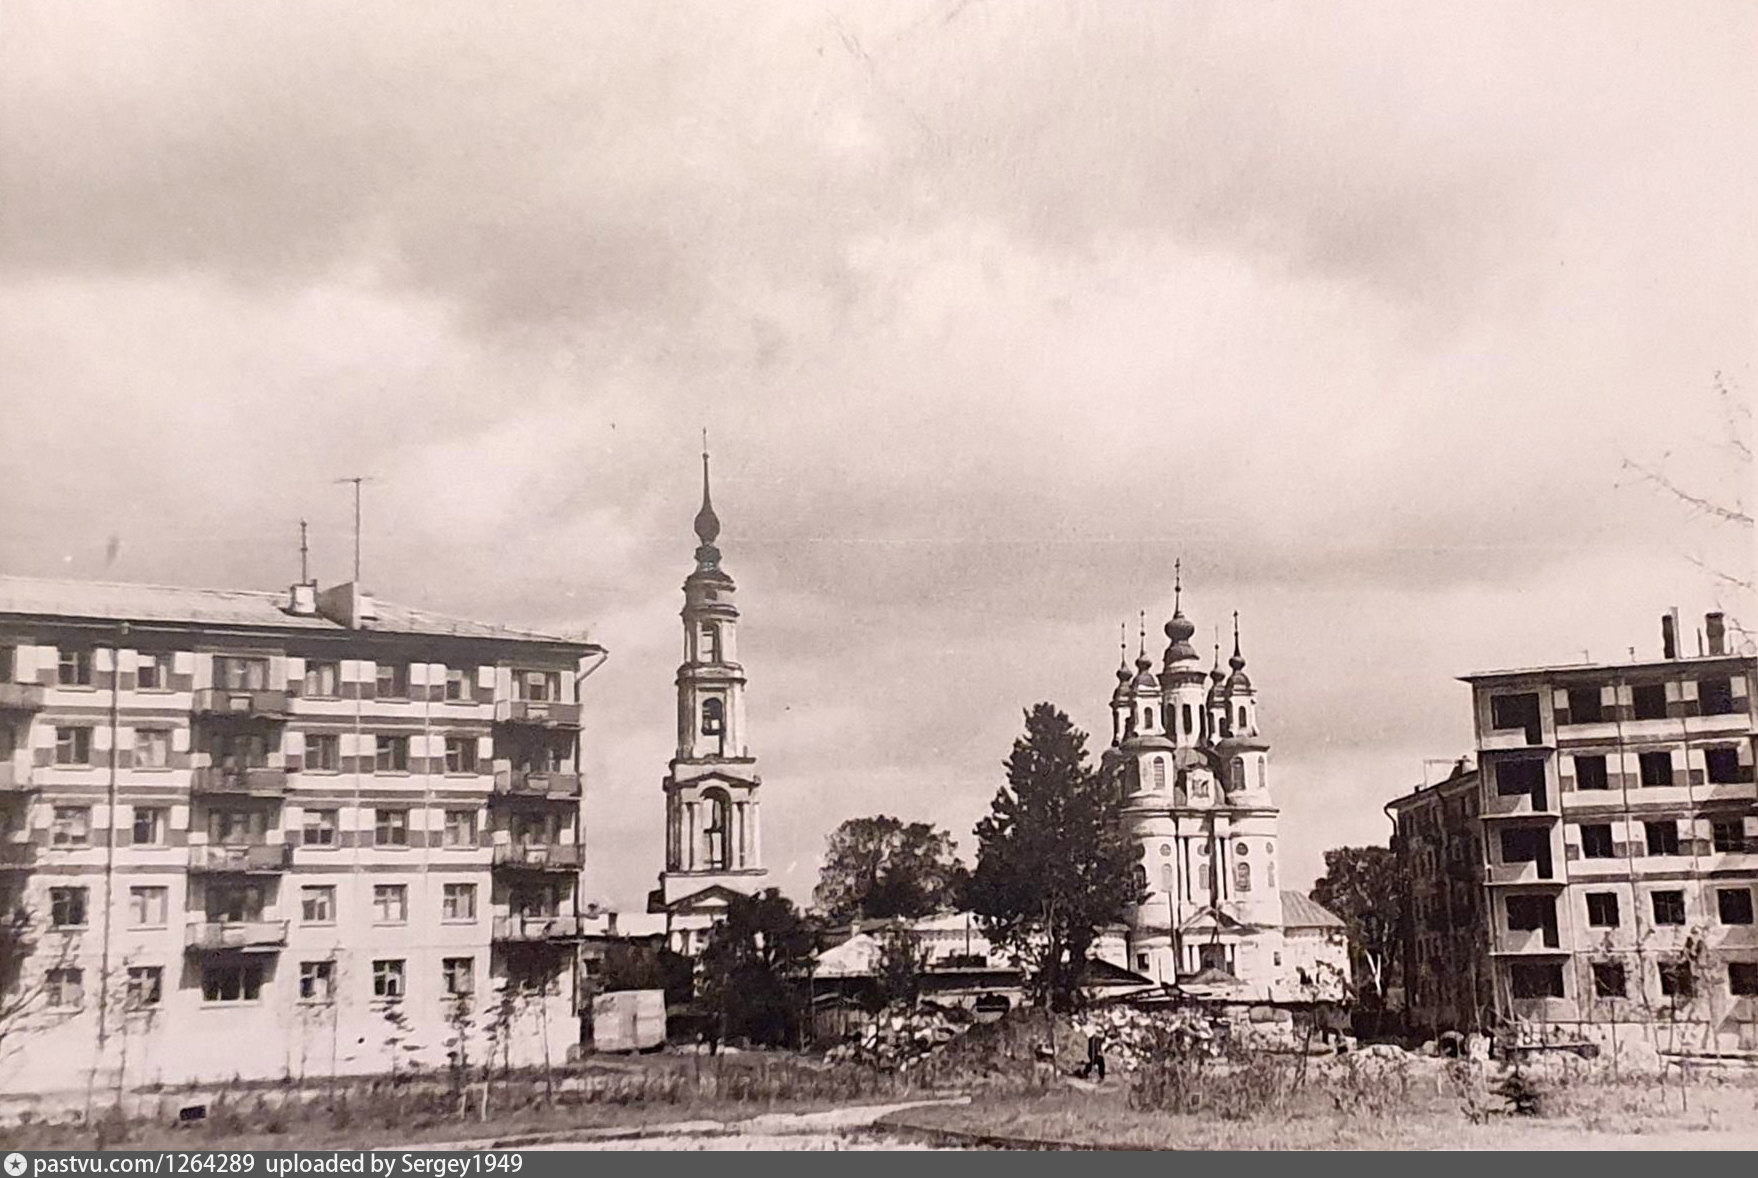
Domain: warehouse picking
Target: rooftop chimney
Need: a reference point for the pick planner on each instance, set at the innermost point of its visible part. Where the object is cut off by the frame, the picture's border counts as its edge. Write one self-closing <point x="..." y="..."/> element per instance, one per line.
<point x="1669" y="634"/>
<point x="302" y="599"/>
<point x="1717" y="627"/>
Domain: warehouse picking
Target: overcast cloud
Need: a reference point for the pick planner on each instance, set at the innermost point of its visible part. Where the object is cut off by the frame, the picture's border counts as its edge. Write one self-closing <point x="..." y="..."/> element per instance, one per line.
<point x="993" y="310"/>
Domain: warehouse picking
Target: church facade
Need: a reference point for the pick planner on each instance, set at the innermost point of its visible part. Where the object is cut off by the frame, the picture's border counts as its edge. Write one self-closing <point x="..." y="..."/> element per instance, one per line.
<point x="713" y="832"/>
<point x="1192" y="766"/>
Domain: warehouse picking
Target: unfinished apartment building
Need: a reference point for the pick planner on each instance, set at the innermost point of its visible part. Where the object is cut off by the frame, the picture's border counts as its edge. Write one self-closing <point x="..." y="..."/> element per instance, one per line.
<point x="1620" y="840"/>
<point x="263" y="835"/>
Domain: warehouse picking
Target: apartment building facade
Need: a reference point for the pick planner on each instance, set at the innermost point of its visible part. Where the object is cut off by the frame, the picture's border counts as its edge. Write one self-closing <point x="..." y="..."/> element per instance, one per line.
<point x="262" y="835"/>
<point x="1619" y="823"/>
<point x="1438" y="840"/>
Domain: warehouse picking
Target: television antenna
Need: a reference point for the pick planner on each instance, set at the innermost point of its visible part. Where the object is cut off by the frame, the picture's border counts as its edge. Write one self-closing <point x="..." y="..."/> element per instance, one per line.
<point x="357" y="480"/>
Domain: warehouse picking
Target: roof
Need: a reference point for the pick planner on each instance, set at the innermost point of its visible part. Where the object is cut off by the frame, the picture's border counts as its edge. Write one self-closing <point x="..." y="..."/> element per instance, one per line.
<point x="1461" y="780"/>
<point x="1302" y="911"/>
<point x="1685" y="664"/>
<point x="247" y="608"/>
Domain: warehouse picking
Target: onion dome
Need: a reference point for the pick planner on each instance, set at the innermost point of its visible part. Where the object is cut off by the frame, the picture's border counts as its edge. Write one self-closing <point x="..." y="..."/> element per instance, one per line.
<point x="707" y="523"/>
<point x="1217" y="677"/>
<point x="1145" y="681"/>
<point x="1179" y="630"/>
<point x="1124" y="675"/>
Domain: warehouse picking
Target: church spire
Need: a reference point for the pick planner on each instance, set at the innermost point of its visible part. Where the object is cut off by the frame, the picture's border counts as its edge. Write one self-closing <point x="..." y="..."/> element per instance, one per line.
<point x="707" y="523"/>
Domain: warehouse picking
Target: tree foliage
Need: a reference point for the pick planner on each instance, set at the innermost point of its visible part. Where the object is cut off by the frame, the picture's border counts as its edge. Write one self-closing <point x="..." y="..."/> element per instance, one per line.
<point x="880" y="868"/>
<point x="903" y="958"/>
<point x="752" y="966"/>
<point x="1052" y="863"/>
<point x="1363" y="886"/>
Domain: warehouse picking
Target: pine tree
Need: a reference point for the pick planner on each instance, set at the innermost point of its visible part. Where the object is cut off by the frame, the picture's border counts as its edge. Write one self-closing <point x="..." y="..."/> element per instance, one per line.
<point x="1053" y="866"/>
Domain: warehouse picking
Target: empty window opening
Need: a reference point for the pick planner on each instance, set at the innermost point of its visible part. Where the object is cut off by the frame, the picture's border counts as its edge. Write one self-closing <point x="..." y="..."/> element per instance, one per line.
<point x="713" y="717"/>
<point x="1584" y="706"/>
<point x="1609" y="980"/>
<point x="1742" y="978"/>
<point x="1516" y="711"/>
<point x="1590" y="773"/>
<point x="1663" y="837"/>
<point x="1536" y="979"/>
<point x="1734" y="905"/>
<point x="1676" y="980"/>
<point x="1596" y="841"/>
<point x="1649" y="700"/>
<point x="1715" y="695"/>
<point x="1657" y="768"/>
<point x="1723" y="766"/>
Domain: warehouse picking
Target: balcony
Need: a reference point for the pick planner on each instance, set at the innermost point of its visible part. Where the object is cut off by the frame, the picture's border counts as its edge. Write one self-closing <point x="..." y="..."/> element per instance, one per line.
<point x="12" y="776"/>
<point x="537" y="713"/>
<point x="539" y="856"/>
<point x="21" y="697"/>
<point x="1523" y="805"/>
<point x="17" y="856"/>
<point x="243" y="704"/>
<point x="260" y="858"/>
<point x="536" y="783"/>
<point x="257" y="781"/>
<point x="1527" y="941"/>
<point x="1522" y="873"/>
<point x="215" y="936"/>
<point x="536" y="928"/>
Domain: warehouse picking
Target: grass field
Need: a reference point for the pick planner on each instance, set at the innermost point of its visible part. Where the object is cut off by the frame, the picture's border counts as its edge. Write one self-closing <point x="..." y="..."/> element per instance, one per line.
<point x="1585" y="1116"/>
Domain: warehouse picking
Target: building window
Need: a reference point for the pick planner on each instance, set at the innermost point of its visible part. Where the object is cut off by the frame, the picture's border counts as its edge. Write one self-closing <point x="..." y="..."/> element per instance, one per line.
<point x="146" y="986"/>
<point x="240" y="750"/>
<point x="231" y="981"/>
<point x="64" y="988"/>
<point x="72" y="827"/>
<point x="537" y="686"/>
<point x="713" y="717"/>
<point x="1528" y="913"/>
<point x="1242" y="877"/>
<point x="1596" y="840"/>
<point x="1609" y="980"/>
<point x="241" y="674"/>
<point x="1730" y="836"/>
<point x="1734" y="905"/>
<point x="1590" y="773"/>
<point x="1524" y="776"/>
<point x="1723" y="765"/>
<point x="236" y="828"/>
<point x="390" y="828"/>
<point x="392" y="754"/>
<point x="1514" y="711"/>
<point x="719" y="831"/>
<point x="1649" y="700"/>
<point x="1536" y="979"/>
<point x="1602" y="909"/>
<point x="1669" y="907"/>
<point x="1584" y="705"/>
<point x="73" y="746"/>
<point x="149" y="826"/>
<point x="387" y="980"/>
<point x="234" y="905"/>
<point x="152" y="748"/>
<point x="460" y="828"/>
<point x="390" y="903"/>
<point x="1663" y="837"/>
<point x="317" y="981"/>
<point x="1159" y="773"/>
<point x="1676" y="980"/>
<point x="1657" y="768"/>
<point x="393" y="680"/>
<point x="460" y="976"/>
<point x="317" y="904"/>
<point x="456" y="685"/>
<point x="710" y="644"/>
<point x="323" y="753"/>
<point x="323" y="680"/>
<point x="1715" y="696"/>
<point x="320" y="828"/>
<point x="74" y="669"/>
<point x="152" y="672"/>
<point x="460" y="754"/>
<point x="458" y="901"/>
<point x="148" y="906"/>
<point x="1742" y="979"/>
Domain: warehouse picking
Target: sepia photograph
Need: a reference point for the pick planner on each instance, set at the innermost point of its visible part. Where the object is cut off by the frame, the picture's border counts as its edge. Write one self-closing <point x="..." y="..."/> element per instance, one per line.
<point x="874" y="575"/>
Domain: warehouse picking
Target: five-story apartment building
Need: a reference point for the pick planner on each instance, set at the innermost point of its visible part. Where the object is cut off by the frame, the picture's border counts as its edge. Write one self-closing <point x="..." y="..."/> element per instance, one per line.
<point x="258" y="835"/>
<point x="1620" y="830"/>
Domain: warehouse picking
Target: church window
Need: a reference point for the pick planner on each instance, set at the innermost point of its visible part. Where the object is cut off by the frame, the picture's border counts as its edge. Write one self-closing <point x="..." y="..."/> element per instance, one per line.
<point x="1238" y="772"/>
<point x="1242" y="719"/>
<point x="1202" y="787"/>
<point x="1269" y="875"/>
<point x="1167" y="879"/>
<point x="713" y="717"/>
<point x="1159" y="772"/>
<point x="1242" y="877"/>
<point x="1263" y="774"/>
<point x="719" y="824"/>
<point x="1242" y="849"/>
<point x="1147" y="718"/>
<point x="1189" y="722"/>
<point x="1166" y="849"/>
<point x="1141" y="879"/>
<point x="709" y="649"/>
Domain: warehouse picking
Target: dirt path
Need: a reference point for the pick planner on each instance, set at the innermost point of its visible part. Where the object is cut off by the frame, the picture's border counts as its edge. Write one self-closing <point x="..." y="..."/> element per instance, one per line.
<point x="834" y="1129"/>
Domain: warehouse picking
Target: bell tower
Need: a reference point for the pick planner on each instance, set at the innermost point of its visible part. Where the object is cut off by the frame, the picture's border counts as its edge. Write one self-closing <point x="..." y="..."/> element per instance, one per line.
<point x="713" y="844"/>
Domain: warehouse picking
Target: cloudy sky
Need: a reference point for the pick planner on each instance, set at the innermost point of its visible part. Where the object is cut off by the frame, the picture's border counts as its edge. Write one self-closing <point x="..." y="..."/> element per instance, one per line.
<point x="993" y="310"/>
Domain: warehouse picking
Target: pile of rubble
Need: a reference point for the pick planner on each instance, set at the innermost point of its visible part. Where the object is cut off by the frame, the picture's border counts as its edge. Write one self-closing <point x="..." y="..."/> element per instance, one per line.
<point x="899" y="1036"/>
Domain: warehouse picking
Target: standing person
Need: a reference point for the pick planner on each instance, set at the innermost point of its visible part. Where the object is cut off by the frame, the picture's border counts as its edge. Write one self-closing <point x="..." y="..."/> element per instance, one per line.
<point x="1095" y="1055"/>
